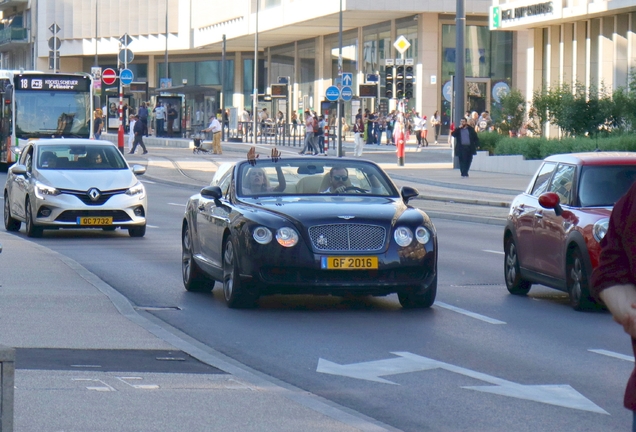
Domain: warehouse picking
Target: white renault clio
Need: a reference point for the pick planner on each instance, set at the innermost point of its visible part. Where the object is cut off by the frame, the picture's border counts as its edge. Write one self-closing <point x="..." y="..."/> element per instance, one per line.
<point x="74" y="183"/>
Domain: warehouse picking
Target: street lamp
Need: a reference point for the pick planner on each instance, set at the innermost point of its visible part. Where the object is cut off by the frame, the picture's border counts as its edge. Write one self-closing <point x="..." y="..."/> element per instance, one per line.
<point x="255" y="101"/>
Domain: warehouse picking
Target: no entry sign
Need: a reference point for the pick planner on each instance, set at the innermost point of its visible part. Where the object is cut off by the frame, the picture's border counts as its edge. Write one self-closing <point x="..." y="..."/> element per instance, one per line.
<point x="109" y="76"/>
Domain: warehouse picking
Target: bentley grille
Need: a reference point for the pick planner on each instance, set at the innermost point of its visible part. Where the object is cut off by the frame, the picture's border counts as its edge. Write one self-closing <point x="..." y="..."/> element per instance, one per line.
<point x="347" y="237"/>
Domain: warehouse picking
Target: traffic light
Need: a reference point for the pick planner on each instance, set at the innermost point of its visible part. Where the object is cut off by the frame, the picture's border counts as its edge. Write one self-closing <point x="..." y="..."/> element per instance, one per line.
<point x="399" y="82"/>
<point x="408" y="82"/>
<point x="388" y="74"/>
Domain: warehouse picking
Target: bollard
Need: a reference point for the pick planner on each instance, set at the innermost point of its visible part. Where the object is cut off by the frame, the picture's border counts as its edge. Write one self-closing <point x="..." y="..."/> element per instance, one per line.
<point x="400" y="148"/>
<point x="7" y="378"/>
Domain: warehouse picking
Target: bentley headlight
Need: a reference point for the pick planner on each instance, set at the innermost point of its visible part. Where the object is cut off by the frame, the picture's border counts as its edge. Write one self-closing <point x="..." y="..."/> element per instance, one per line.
<point x="600" y="229"/>
<point x="137" y="189"/>
<point x="287" y="237"/>
<point x="403" y="236"/>
<point x="422" y="235"/>
<point x="262" y="235"/>
<point x="42" y="190"/>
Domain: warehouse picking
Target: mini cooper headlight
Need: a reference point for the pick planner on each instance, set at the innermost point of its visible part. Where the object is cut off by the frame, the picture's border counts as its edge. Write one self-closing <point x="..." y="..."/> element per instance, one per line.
<point x="262" y="235"/>
<point x="422" y="235"/>
<point x="137" y="189"/>
<point x="403" y="236"/>
<point x="600" y="229"/>
<point x="287" y="237"/>
<point x="42" y="190"/>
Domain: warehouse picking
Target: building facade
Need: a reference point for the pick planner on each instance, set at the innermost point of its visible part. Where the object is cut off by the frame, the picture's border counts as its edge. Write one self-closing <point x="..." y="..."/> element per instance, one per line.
<point x="178" y="44"/>
<point x="586" y="42"/>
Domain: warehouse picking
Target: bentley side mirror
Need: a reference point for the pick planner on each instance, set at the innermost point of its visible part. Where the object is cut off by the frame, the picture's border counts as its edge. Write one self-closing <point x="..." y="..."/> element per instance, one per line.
<point x="212" y="192"/>
<point x="407" y="193"/>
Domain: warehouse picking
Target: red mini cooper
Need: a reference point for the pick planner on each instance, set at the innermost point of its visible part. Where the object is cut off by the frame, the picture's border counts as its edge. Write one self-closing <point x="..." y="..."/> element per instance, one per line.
<point x="554" y="228"/>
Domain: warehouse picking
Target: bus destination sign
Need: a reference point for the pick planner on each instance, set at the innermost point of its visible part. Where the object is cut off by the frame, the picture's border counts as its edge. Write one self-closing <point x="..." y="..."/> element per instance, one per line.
<point x="56" y="82"/>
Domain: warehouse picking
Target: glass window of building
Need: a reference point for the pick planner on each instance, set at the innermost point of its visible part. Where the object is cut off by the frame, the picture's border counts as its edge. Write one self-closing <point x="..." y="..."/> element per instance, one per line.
<point x="282" y="62"/>
<point x="307" y="62"/>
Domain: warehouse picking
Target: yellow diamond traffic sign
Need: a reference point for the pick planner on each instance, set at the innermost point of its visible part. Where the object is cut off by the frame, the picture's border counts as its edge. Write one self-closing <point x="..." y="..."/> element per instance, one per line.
<point x="402" y="44"/>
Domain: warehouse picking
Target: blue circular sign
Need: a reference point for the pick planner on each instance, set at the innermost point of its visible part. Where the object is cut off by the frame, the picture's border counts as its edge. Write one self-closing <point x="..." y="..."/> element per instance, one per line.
<point x="500" y="89"/>
<point x="126" y="76"/>
<point x="332" y="93"/>
<point x="346" y="93"/>
<point x="446" y="91"/>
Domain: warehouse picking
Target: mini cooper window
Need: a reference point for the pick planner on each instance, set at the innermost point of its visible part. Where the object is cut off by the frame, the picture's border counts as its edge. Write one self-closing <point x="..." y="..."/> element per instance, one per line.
<point x="312" y="178"/>
<point x="602" y="186"/>
<point x="562" y="183"/>
<point x="543" y="179"/>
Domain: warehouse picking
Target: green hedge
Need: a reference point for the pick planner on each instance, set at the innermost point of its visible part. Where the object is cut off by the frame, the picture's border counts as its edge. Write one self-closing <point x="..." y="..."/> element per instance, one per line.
<point x="539" y="148"/>
<point x="488" y="141"/>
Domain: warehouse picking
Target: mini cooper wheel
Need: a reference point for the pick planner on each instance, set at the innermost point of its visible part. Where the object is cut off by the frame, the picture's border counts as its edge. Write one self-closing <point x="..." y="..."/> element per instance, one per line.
<point x="10" y="224"/>
<point x="137" y="231"/>
<point x="514" y="282"/>
<point x="421" y="298"/>
<point x="235" y="290"/>
<point x="577" y="282"/>
<point x="31" y="229"/>
<point x="194" y="279"/>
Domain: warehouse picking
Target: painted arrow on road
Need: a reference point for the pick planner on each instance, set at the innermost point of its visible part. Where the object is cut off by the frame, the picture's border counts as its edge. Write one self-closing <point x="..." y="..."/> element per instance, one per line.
<point x="560" y="395"/>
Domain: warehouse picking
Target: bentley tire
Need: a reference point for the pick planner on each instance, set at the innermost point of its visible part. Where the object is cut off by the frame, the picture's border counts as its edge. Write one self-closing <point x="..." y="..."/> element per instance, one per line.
<point x="514" y="282"/>
<point x="31" y="229"/>
<point x="422" y="298"/>
<point x="234" y="290"/>
<point x="194" y="279"/>
<point x="578" y="282"/>
<point x="10" y="224"/>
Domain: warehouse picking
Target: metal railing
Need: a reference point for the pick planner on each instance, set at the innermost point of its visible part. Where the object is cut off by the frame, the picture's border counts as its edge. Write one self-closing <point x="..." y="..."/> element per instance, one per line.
<point x="13" y="34"/>
<point x="281" y="135"/>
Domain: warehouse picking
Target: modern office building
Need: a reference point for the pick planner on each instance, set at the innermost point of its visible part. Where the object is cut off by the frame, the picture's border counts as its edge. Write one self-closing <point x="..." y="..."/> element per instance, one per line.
<point x="591" y="42"/>
<point x="178" y="44"/>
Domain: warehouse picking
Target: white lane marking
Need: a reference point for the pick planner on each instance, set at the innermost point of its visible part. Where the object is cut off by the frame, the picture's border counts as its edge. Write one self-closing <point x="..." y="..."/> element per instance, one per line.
<point x="612" y="354"/>
<point x="560" y="395"/>
<point x="469" y="313"/>
<point x="148" y="181"/>
<point x="495" y="252"/>
<point x="178" y="205"/>
<point x="152" y="226"/>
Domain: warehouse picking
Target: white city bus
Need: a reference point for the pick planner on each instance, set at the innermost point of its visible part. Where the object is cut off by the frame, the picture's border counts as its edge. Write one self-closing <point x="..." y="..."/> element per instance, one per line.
<point x="39" y="105"/>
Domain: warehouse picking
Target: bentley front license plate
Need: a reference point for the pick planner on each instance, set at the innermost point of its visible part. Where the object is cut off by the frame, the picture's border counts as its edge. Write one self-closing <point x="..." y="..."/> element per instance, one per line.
<point x="349" y="263"/>
<point x="94" y="221"/>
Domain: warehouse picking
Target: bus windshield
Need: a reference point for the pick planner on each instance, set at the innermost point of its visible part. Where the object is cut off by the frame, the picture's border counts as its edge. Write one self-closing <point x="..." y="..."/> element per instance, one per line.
<point x="46" y="114"/>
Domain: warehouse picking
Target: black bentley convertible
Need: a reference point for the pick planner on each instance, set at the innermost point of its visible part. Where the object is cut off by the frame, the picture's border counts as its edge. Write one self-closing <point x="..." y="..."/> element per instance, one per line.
<point x="326" y="226"/>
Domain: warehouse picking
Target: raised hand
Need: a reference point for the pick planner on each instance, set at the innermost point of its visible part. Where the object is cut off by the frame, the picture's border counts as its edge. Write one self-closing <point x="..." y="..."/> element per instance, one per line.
<point x="252" y="156"/>
<point x="275" y="155"/>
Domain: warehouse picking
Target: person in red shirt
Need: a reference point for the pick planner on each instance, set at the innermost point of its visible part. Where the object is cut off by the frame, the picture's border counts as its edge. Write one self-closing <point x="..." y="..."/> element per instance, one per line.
<point x="614" y="280"/>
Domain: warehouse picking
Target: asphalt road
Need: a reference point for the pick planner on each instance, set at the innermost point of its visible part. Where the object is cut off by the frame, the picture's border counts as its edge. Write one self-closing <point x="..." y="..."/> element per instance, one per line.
<point x="476" y="341"/>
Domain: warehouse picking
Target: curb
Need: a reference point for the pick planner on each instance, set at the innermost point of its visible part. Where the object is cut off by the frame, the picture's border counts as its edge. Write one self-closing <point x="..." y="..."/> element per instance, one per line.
<point x="502" y="204"/>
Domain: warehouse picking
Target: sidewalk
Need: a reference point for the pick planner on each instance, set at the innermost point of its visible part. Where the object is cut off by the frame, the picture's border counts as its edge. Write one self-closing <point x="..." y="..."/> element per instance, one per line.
<point x="87" y="360"/>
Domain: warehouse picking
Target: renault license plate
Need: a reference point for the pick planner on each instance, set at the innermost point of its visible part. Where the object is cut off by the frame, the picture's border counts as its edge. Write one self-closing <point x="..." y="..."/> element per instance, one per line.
<point x="349" y="263"/>
<point x="94" y="220"/>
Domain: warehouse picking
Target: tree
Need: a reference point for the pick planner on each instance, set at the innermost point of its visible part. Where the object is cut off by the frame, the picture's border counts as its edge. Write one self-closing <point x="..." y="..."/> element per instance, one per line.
<point x="513" y="112"/>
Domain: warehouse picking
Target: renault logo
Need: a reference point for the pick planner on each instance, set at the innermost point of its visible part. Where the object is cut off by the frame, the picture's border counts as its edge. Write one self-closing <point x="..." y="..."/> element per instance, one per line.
<point x="94" y="194"/>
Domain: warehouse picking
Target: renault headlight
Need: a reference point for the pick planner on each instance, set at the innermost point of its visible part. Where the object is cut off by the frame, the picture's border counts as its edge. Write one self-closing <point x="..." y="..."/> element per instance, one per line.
<point x="137" y="189"/>
<point x="287" y="237"/>
<point x="262" y="235"/>
<point x="403" y="236"/>
<point x="422" y="235"/>
<point x="600" y="229"/>
<point x="42" y="190"/>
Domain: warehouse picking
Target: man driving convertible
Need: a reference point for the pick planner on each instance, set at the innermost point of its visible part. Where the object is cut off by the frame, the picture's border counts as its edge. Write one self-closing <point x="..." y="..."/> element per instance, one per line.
<point x="339" y="177"/>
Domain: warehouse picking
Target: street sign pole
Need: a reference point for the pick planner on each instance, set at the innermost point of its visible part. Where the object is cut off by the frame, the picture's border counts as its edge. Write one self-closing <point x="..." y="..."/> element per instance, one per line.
<point x="338" y="113"/>
<point x="120" y="131"/>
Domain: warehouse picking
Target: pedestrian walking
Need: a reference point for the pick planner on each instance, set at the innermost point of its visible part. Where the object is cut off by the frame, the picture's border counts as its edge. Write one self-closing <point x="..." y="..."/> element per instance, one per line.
<point x="131" y="134"/>
<point x="424" y="131"/>
<point x="390" y="122"/>
<point x="143" y="117"/>
<point x="138" y="130"/>
<point x="321" y="134"/>
<point x="466" y="143"/>
<point x="98" y="124"/>
<point x="417" y="129"/>
<point x="614" y="279"/>
<point x="294" y="120"/>
<point x="309" y="134"/>
<point x="358" y="133"/>
<point x="436" y="122"/>
<point x="160" y="117"/>
<point x="215" y="129"/>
